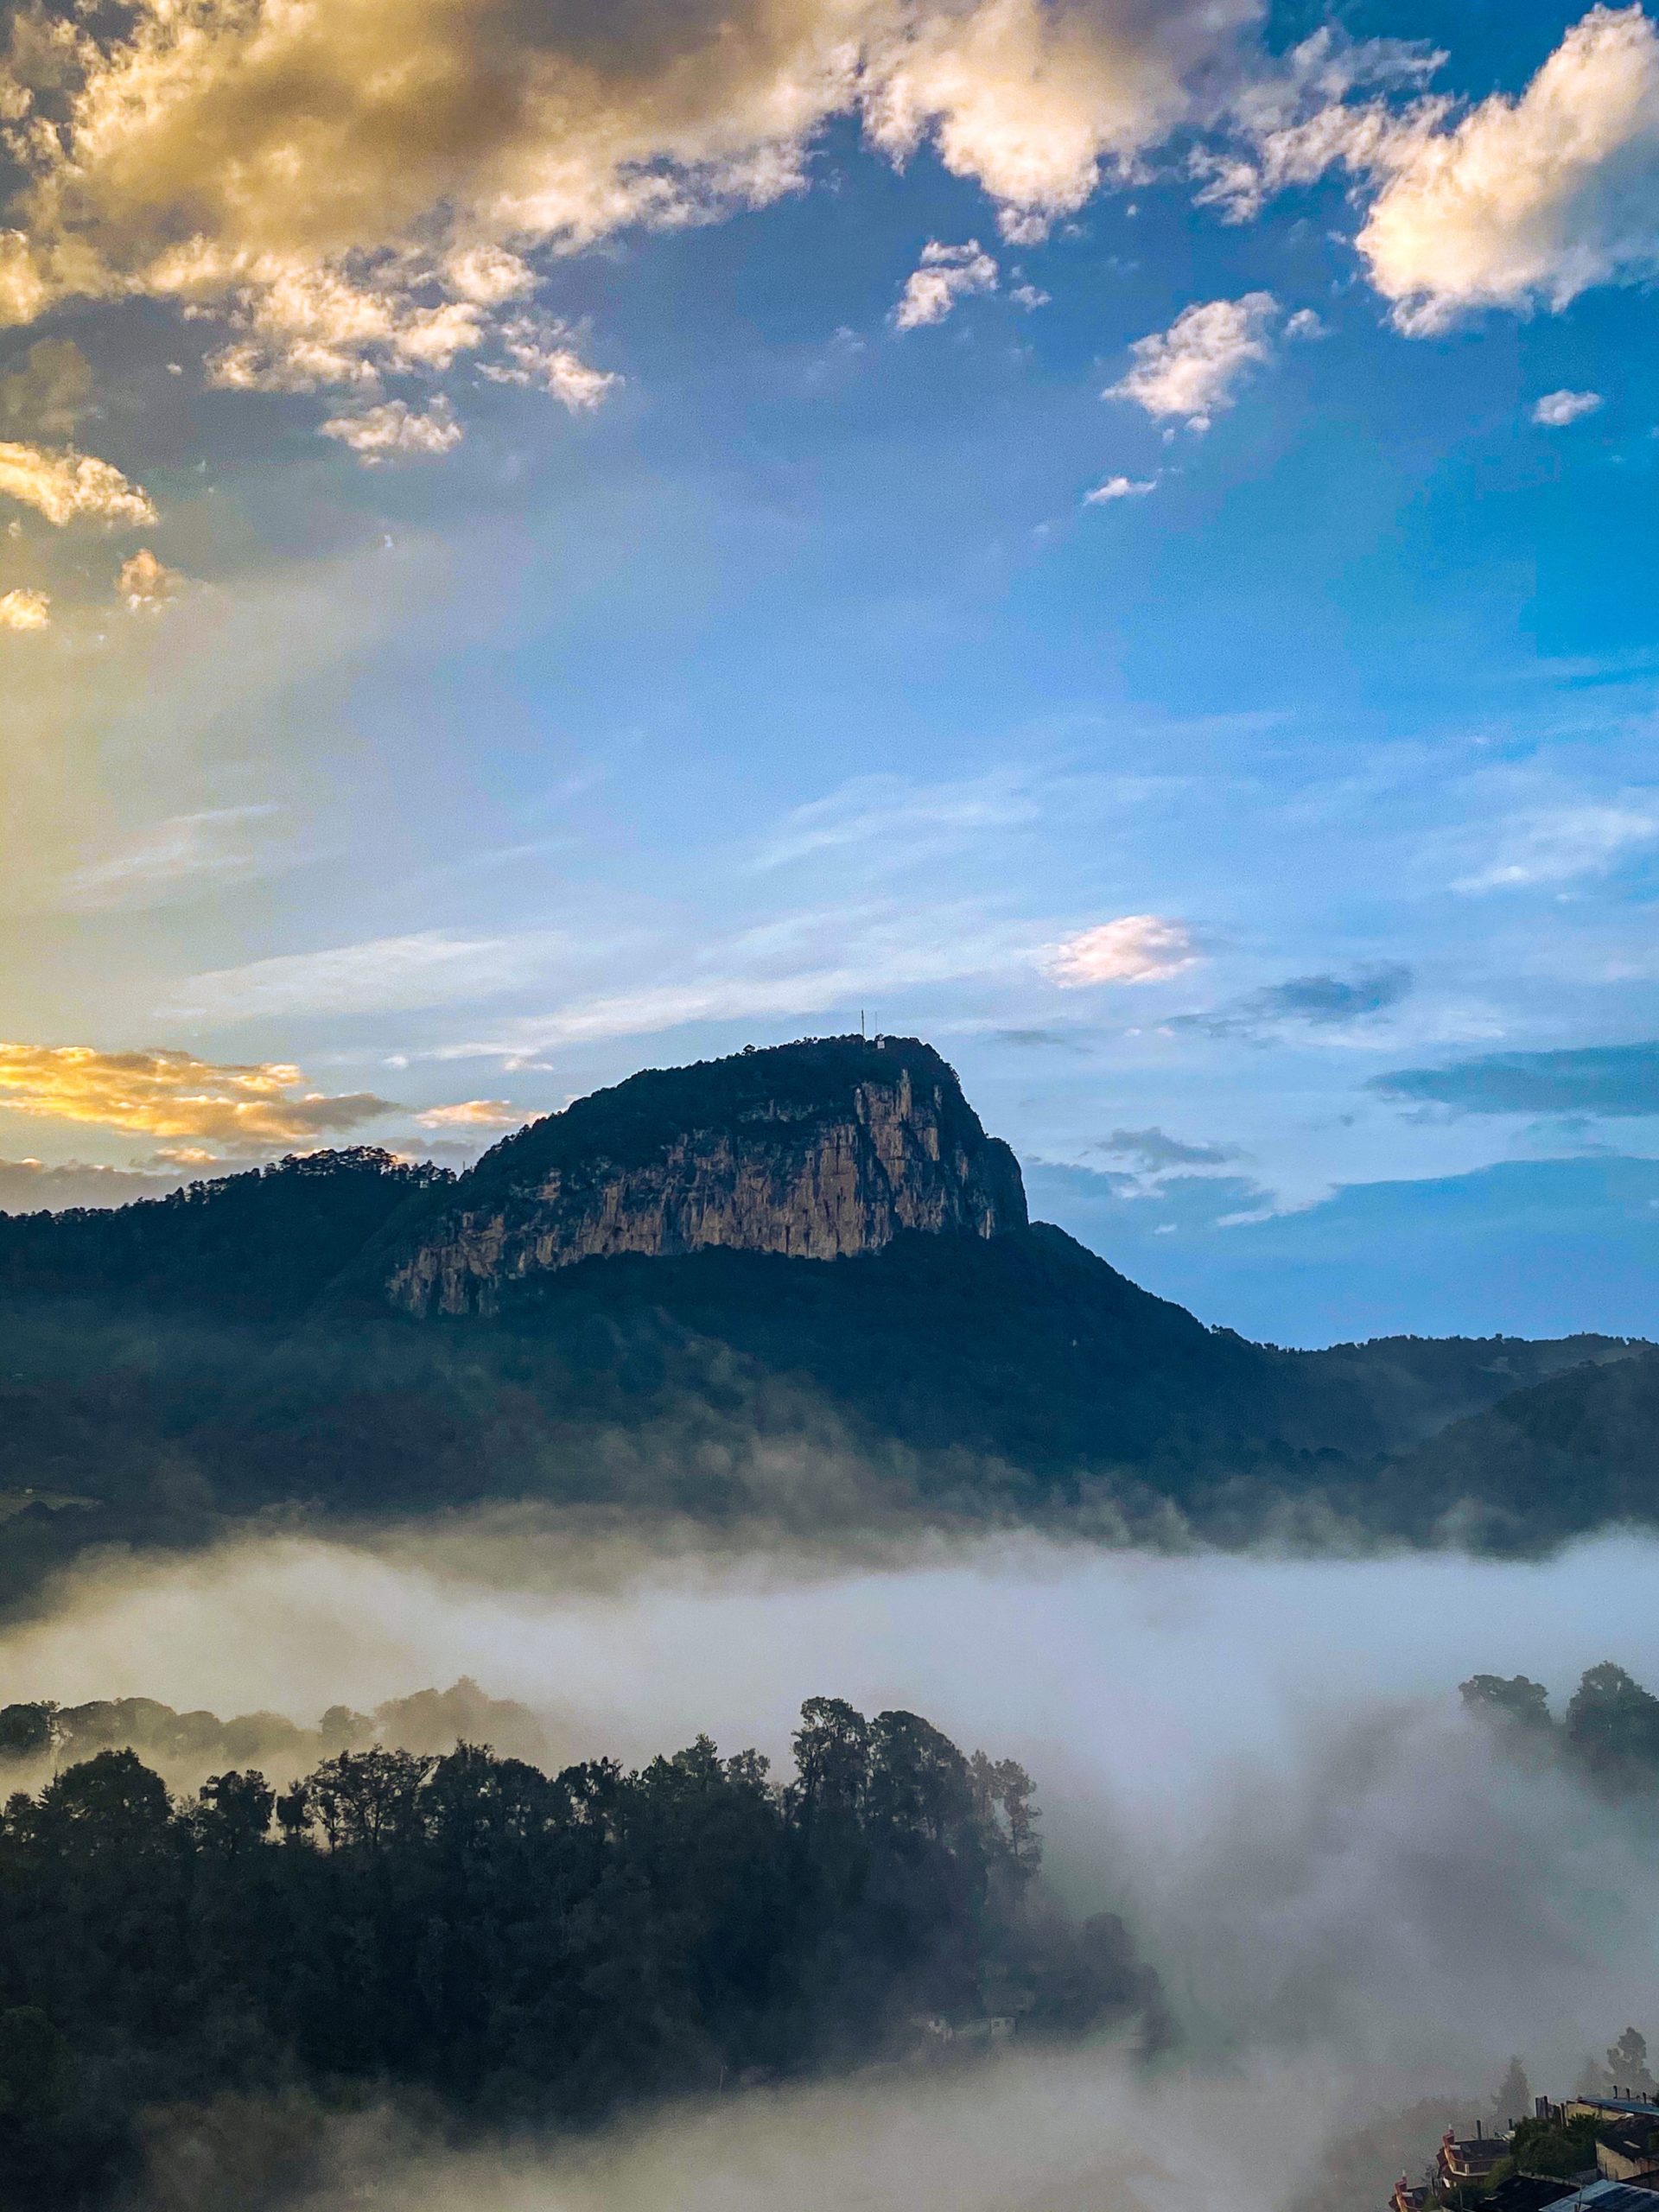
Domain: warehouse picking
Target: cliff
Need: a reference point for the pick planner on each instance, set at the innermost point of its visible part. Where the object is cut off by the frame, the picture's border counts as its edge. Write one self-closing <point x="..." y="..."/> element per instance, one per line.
<point x="825" y="1150"/>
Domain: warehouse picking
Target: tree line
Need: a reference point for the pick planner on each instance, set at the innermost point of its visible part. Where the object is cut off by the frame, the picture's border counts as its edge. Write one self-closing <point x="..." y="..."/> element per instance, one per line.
<point x="516" y="1948"/>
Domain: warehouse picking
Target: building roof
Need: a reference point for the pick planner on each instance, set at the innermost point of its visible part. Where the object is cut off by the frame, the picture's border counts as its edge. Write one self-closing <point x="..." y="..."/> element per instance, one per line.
<point x="1631" y="2138"/>
<point x="1614" y="2196"/>
<point x="1530" y="2193"/>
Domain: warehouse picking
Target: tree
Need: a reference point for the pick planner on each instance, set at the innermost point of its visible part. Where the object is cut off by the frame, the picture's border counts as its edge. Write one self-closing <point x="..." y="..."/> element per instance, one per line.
<point x="1513" y="2099"/>
<point x="1612" y="1726"/>
<point x="1627" y="2066"/>
<point x="1517" y="1702"/>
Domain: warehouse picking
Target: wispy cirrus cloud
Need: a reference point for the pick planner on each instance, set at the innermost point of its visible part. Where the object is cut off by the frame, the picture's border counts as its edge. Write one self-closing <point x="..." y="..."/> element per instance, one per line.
<point x="1544" y="846"/>
<point x="427" y="967"/>
<point x="181" y="856"/>
<point x="896" y="815"/>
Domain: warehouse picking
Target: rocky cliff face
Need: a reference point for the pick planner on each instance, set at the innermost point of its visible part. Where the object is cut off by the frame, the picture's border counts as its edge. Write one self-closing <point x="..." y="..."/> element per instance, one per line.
<point x="818" y="1151"/>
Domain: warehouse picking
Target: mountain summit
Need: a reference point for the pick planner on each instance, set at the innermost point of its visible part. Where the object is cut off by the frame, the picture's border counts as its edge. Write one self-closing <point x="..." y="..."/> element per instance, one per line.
<point x="823" y="1150"/>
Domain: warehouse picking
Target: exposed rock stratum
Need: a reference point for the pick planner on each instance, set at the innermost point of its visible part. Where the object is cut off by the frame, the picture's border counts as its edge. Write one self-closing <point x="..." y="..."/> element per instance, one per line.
<point x="823" y="1150"/>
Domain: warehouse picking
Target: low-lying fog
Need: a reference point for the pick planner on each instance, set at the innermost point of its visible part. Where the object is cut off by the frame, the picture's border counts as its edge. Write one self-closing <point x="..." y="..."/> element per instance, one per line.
<point x="1354" y="1898"/>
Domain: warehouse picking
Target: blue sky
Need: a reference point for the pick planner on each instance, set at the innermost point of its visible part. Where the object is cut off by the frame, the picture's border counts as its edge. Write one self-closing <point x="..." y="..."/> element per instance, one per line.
<point x="692" y="625"/>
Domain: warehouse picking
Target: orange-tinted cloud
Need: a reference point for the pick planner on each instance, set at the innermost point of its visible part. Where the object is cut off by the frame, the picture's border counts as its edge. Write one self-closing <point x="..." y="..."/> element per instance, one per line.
<point x="167" y="1094"/>
<point x="473" y="1114"/>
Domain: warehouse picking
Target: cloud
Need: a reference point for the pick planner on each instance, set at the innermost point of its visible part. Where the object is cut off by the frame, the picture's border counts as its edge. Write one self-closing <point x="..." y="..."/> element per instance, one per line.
<point x="1154" y="1151"/>
<point x="1611" y="1079"/>
<point x="1529" y="201"/>
<point x="1192" y="368"/>
<point x="30" y="1186"/>
<point x="536" y="355"/>
<point x="1292" y="119"/>
<point x="1322" y="1000"/>
<point x="145" y="585"/>
<point x="1558" y="844"/>
<point x="1120" y="487"/>
<point x="70" y="486"/>
<point x="22" y="609"/>
<point x="828" y="959"/>
<point x="359" y="192"/>
<point x="896" y="818"/>
<point x="1557" y="409"/>
<point x="170" y="1094"/>
<point x="384" y="432"/>
<point x="177" y="858"/>
<point x="428" y="968"/>
<point x="50" y="394"/>
<point x="1135" y="948"/>
<point x="473" y="1114"/>
<point x="946" y="275"/>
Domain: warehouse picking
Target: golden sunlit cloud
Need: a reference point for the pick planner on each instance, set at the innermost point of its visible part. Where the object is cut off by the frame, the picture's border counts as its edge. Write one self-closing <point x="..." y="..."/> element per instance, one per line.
<point x="351" y="191"/>
<point x="383" y="433"/>
<point x="24" y="610"/>
<point x="473" y="1114"/>
<point x="146" y="585"/>
<point x="71" y="487"/>
<point x="168" y="1093"/>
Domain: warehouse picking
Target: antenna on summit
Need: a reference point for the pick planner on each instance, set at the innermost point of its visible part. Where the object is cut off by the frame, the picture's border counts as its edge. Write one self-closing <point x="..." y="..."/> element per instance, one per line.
<point x="860" y="1021"/>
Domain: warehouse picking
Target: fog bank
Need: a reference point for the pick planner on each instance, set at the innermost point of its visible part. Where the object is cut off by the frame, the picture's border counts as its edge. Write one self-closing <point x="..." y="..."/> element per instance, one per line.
<point x="1261" y="1762"/>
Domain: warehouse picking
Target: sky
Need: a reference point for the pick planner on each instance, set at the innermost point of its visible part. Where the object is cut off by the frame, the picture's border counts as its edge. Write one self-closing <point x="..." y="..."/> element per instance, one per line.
<point x="1113" y="535"/>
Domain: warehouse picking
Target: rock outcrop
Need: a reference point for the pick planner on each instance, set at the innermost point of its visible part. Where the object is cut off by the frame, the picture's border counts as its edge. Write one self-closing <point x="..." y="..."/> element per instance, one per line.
<point x="824" y="1150"/>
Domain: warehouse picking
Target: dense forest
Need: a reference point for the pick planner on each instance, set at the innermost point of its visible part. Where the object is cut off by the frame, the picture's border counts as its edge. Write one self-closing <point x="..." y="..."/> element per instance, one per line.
<point x="512" y="1949"/>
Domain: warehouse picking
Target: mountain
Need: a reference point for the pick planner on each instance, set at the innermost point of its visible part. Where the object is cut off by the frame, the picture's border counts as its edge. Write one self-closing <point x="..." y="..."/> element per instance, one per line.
<point x="826" y="1150"/>
<point x="798" y="1281"/>
<point x="1576" y="1449"/>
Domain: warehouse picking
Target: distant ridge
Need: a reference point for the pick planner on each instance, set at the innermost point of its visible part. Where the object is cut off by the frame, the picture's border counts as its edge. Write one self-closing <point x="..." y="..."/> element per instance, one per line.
<point x="798" y="1281"/>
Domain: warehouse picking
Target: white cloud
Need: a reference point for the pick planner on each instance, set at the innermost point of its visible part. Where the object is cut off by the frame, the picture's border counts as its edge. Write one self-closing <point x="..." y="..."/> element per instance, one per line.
<point x="383" y="973"/>
<point x="393" y="429"/>
<point x="1528" y="201"/>
<point x="177" y="857"/>
<point x="1135" y="948"/>
<point x="1120" y="487"/>
<point x="1191" y="369"/>
<point x="146" y="584"/>
<point x="1293" y="120"/>
<point x="23" y="609"/>
<point x="1556" y="845"/>
<point x="946" y="274"/>
<point x="1557" y="409"/>
<point x="536" y="355"/>
<point x="69" y="486"/>
<point x="354" y="192"/>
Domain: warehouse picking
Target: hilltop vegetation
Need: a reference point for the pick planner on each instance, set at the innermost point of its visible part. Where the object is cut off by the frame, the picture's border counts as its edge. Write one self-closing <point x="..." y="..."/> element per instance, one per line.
<point x="517" y="1949"/>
